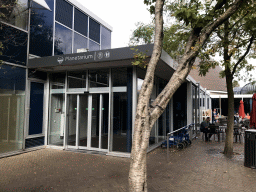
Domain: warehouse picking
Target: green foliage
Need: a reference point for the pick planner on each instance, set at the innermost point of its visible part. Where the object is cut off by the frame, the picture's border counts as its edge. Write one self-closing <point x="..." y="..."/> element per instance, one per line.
<point x="139" y="58"/>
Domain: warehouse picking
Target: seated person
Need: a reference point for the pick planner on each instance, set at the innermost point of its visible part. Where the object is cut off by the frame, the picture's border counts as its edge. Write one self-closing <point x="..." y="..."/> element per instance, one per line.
<point x="205" y="128"/>
<point x="247" y="116"/>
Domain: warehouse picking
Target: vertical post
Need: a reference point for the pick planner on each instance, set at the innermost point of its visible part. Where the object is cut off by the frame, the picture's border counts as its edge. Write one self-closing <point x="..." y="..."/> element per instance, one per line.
<point x="129" y="110"/>
<point x="168" y="145"/>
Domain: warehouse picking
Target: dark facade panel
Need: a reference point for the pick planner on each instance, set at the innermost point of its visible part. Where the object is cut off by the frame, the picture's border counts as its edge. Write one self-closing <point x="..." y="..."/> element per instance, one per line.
<point x="94" y="30"/>
<point x="41" y="30"/>
<point x="81" y="22"/>
<point x="14" y="45"/>
<point x="64" y="13"/>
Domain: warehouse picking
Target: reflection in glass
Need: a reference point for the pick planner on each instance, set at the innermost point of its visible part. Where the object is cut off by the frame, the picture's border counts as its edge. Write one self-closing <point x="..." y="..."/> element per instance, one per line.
<point x="80" y="43"/>
<point x="99" y="78"/>
<point x="63" y="40"/>
<point x="57" y="119"/>
<point x="15" y="13"/>
<point x="41" y="30"/>
<point x="93" y="46"/>
<point x="58" y="80"/>
<point x="77" y="79"/>
<point x="12" y="106"/>
<point x="15" y="43"/>
<point x="105" y="38"/>
<point x="72" y="118"/>
<point x="83" y="120"/>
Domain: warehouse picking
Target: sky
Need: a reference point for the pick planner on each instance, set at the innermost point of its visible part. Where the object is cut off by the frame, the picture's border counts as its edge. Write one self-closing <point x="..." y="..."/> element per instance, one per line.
<point x="121" y="15"/>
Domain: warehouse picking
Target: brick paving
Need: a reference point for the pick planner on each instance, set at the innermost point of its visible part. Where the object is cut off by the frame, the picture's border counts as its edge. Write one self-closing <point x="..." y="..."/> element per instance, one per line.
<point x="200" y="167"/>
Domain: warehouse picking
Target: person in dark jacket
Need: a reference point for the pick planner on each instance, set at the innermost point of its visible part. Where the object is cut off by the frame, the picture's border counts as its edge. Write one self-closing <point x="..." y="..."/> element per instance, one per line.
<point x="205" y="129"/>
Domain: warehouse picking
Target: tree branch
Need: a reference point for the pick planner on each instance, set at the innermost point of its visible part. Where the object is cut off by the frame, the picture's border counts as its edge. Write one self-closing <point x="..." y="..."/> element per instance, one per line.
<point x="244" y="55"/>
<point x="188" y="59"/>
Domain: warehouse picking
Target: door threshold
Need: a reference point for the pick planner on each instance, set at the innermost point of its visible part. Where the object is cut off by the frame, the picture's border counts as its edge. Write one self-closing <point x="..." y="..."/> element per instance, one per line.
<point x="86" y="151"/>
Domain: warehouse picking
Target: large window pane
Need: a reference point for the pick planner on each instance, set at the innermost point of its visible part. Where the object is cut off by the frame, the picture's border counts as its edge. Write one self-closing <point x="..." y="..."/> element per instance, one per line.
<point x="14" y="43"/>
<point x="58" y="80"/>
<point x="77" y="80"/>
<point x="121" y="131"/>
<point x="94" y="30"/>
<point x="63" y="40"/>
<point x="15" y="13"/>
<point x="80" y="43"/>
<point x="41" y="30"/>
<point x="12" y="95"/>
<point x="64" y="12"/>
<point x="81" y="22"/>
<point x="57" y="118"/>
<point x="93" y="46"/>
<point x="105" y="38"/>
<point x="119" y="77"/>
<point x="99" y="78"/>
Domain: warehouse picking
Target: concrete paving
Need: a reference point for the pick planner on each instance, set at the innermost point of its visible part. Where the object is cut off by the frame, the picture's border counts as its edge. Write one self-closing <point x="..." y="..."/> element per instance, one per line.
<point x="200" y="167"/>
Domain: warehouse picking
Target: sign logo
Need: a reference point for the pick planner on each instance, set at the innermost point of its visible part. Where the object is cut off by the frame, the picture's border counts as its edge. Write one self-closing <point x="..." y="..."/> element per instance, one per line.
<point x="107" y="54"/>
<point x="60" y="60"/>
<point x="100" y="55"/>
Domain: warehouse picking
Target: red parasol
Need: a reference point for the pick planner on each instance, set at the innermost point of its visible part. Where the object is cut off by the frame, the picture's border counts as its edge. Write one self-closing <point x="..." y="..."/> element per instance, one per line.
<point x="241" y="109"/>
<point x="253" y="112"/>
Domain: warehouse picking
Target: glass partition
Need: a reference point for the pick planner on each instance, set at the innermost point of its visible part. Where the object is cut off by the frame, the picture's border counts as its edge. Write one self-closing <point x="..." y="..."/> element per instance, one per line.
<point x="99" y="78"/>
<point x="57" y="119"/>
<point x="77" y="80"/>
<point x="12" y="107"/>
<point x="57" y="81"/>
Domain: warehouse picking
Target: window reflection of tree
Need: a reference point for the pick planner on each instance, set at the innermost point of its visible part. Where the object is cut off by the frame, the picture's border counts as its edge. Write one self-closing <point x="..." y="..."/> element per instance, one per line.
<point x="41" y="38"/>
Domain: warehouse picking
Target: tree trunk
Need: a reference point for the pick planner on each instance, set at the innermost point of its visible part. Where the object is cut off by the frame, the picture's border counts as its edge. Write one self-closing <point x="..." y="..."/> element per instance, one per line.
<point x="228" y="149"/>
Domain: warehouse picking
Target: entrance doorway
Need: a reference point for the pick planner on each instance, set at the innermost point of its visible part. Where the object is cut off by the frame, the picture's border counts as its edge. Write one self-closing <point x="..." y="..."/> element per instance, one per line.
<point x="87" y="121"/>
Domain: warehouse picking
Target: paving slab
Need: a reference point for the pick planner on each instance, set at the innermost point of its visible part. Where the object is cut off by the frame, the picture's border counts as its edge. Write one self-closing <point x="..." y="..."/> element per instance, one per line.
<point x="199" y="167"/>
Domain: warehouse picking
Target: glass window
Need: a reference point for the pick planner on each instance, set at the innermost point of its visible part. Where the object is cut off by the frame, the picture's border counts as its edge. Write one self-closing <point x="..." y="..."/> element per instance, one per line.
<point x="57" y="118"/>
<point x="81" y="22"/>
<point x="80" y="43"/>
<point x="105" y="38"/>
<point x="99" y="78"/>
<point x="63" y="40"/>
<point x="12" y="107"/>
<point x="64" y="13"/>
<point x="77" y="80"/>
<point x="93" y="46"/>
<point x="15" y="13"/>
<point x="94" y="30"/>
<point x="15" y="45"/>
<point x="122" y="138"/>
<point x="41" y="30"/>
<point x="119" y="77"/>
<point x="58" y="80"/>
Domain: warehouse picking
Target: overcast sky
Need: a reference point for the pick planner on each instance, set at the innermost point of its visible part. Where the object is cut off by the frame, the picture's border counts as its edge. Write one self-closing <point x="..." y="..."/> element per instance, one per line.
<point x="121" y="15"/>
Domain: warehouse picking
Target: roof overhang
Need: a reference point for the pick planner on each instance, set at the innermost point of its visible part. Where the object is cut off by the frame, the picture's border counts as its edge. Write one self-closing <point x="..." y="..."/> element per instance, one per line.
<point x="43" y="4"/>
<point x="109" y="58"/>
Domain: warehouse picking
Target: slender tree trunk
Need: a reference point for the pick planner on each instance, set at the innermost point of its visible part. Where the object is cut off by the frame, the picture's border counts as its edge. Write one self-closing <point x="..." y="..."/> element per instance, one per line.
<point x="228" y="149"/>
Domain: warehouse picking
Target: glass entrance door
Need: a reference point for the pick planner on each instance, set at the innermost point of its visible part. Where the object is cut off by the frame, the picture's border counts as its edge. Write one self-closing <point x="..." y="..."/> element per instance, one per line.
<point x="87" y="123"/>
